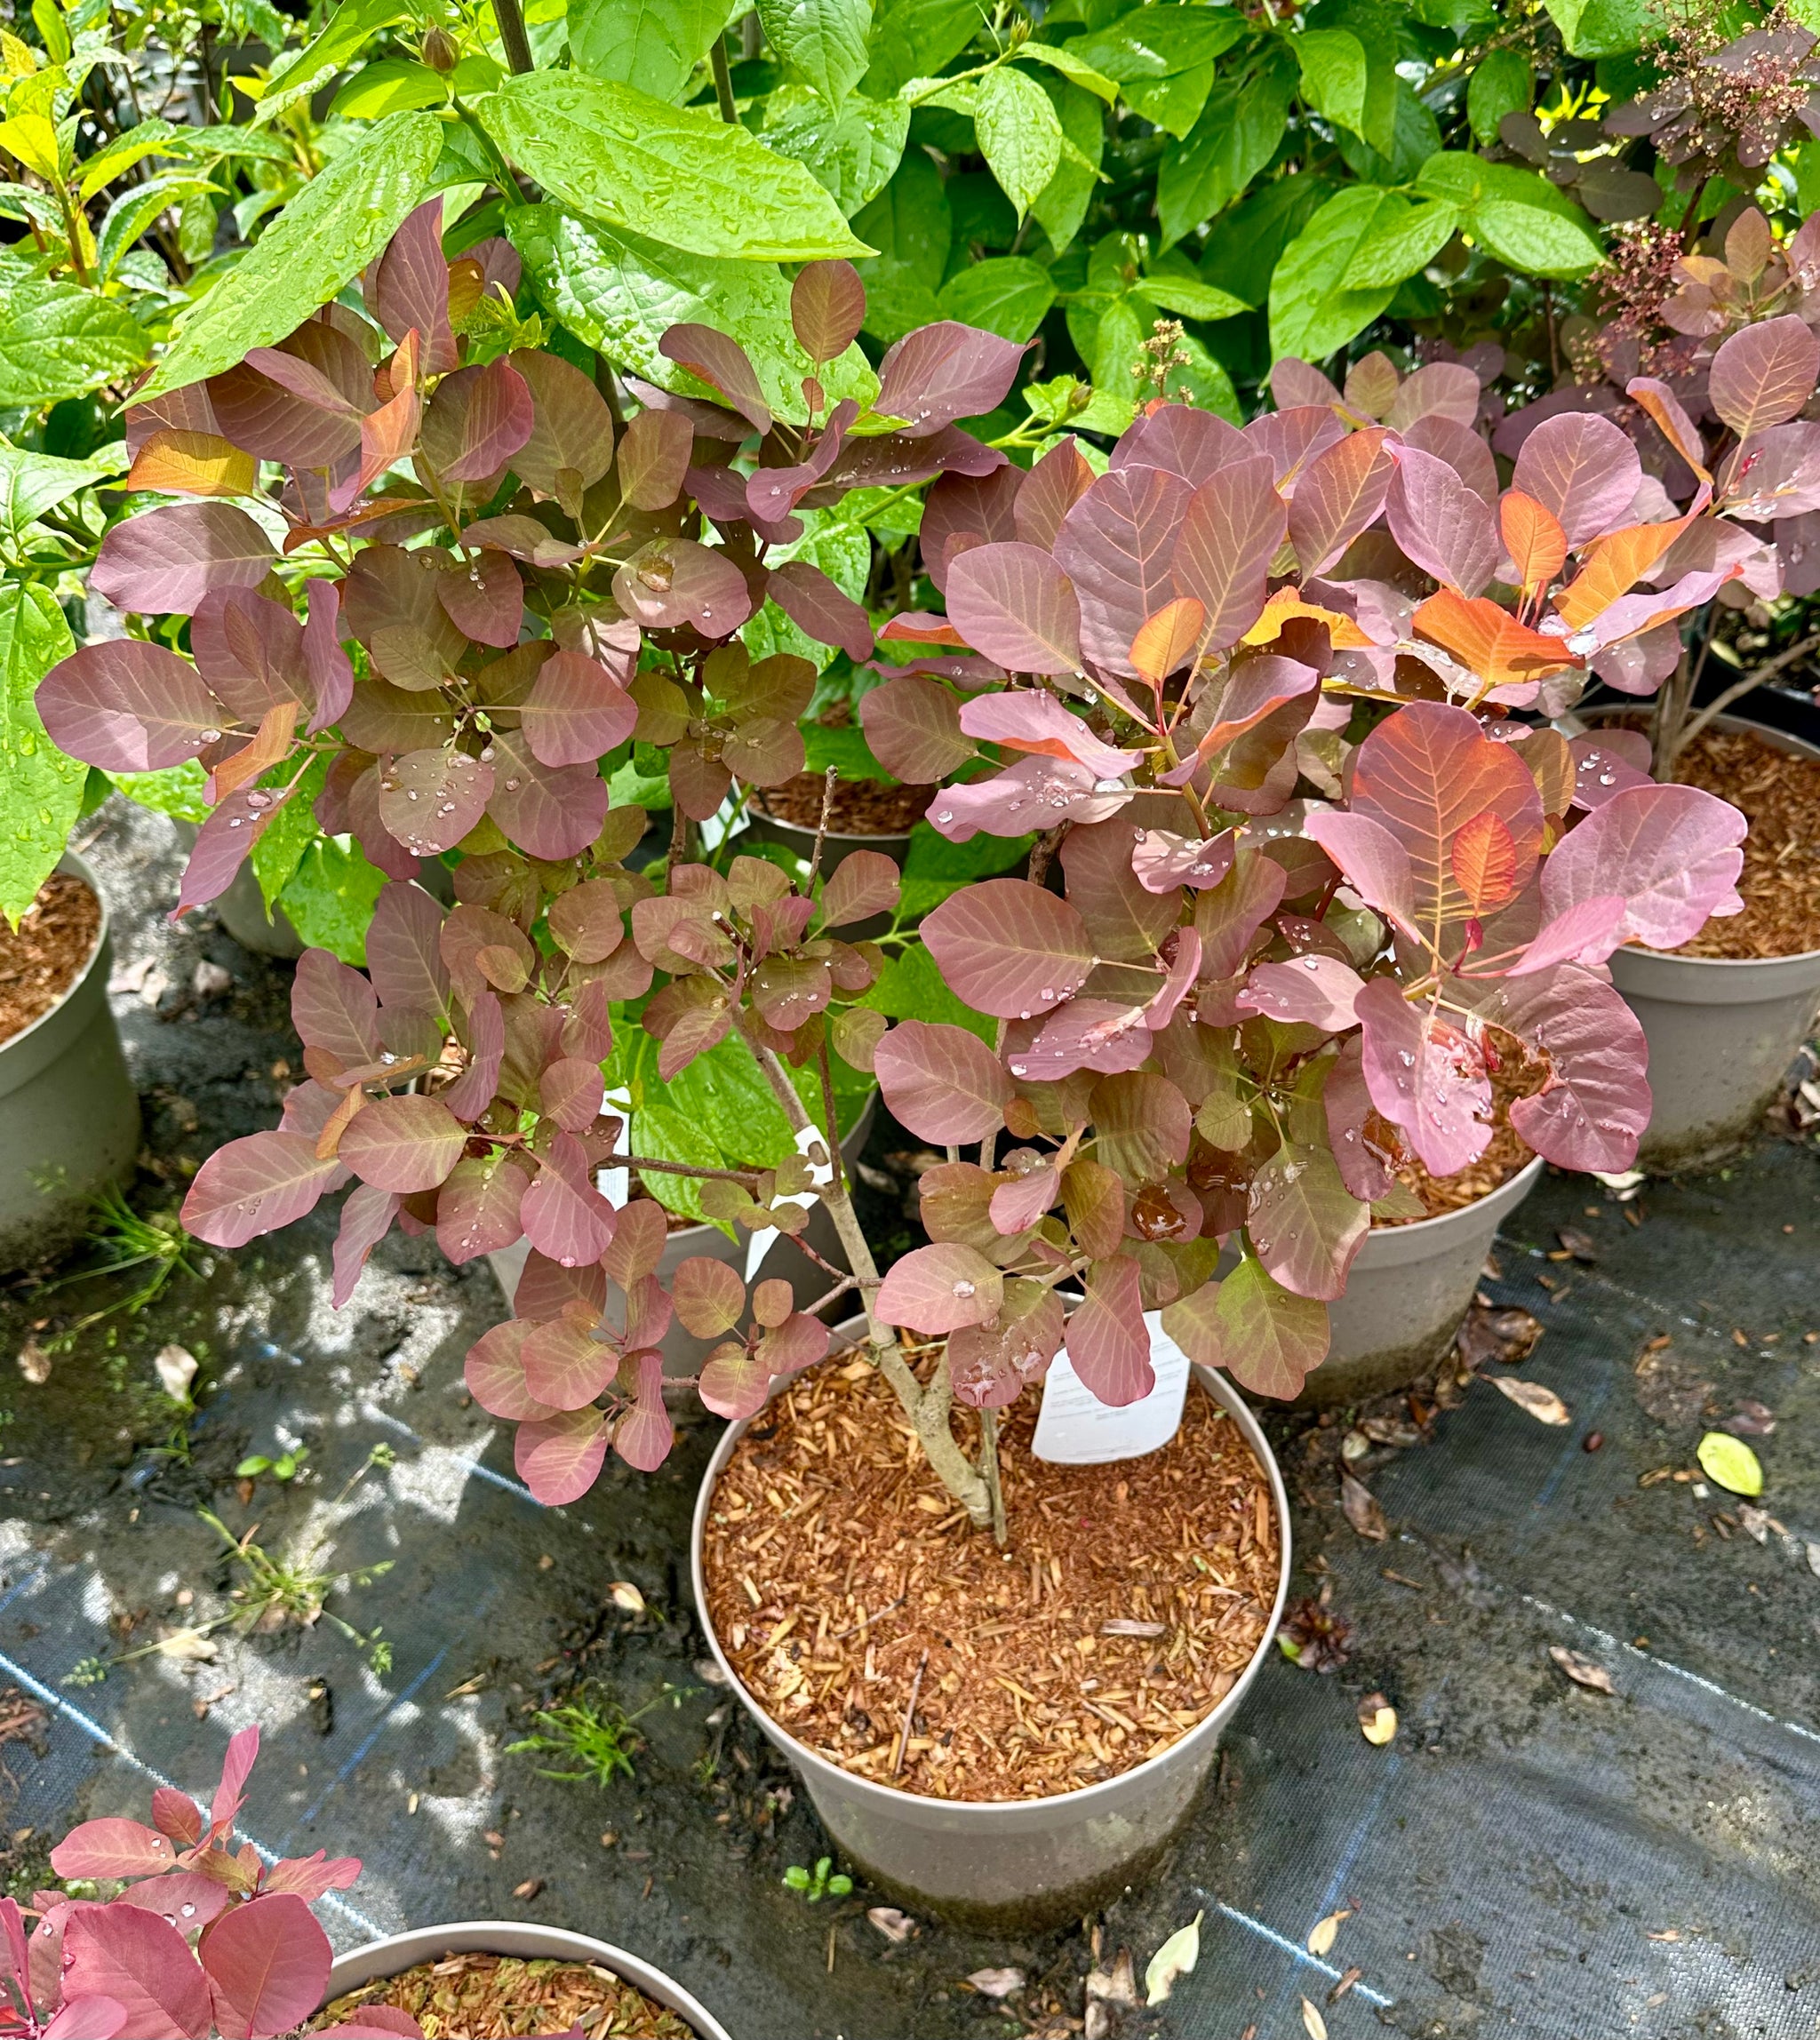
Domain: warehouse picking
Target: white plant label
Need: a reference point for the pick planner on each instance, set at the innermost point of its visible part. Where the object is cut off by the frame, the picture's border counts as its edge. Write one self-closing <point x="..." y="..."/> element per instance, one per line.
<point x="1074" y="1428"/>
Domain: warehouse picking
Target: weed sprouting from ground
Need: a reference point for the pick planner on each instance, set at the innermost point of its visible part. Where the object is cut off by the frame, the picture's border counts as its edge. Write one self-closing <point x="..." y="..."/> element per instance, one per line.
<point x="591" y="1733"/>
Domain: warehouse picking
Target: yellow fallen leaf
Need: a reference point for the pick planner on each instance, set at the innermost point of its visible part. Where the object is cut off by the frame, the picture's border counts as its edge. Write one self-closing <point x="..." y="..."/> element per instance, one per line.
<point x="1377" y="1721"/>
<point x="1581" y="1671"/>
<point x="1312" y="2023"/>
<point x="1321" y="1939"/>
<point x="1730" y="1462"/>
<point x="1542" y="1404"/>
<point x="188" y="1644"/>
<point x="625" y="1597"/>
<point x="1175" y="1957"/>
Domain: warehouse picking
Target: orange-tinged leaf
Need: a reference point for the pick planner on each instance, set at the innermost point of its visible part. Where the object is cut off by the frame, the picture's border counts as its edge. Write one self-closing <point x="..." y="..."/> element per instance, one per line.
<point x="1671" y="420"/>
<point x="1485" y="862"/>
<point x="1168" y="639"/>
<point x="1487" y="640"/>
<point x="193" y="464"/>
<point x="1533" y="537"/>
<point x="271" y="742"/>
<point x="1613" y="566"/>
<point x="1286" y="604"/>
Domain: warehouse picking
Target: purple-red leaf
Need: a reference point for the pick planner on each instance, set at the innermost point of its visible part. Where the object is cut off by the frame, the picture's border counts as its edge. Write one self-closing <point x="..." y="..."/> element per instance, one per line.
<point x="429" y="800"/>
<point x="1010" y="948"/>
<point x="1015" y="604"/>
<point x="129" y="706"/>
<point x="1314" y="989"/>
<point x="864" y="883"/>
<point x="1107" y="1339"/>
<point x="1764" y="373"/>
<point x="670" y="582"/>
<point x="268" y="1966"/>
<point x="828" y="305"/>
<point x="936" y="1290"/>
<point x="1447" y="529"/>
<point x="256" y="1185"/>
<point x="1426" y="1076"/>
<point x="115" y="1847"/>
<point x="141" y="1962"/>
<point x="723" y="364"/>
<point x="1230" y="531"/>
<point x="1037" y="722"/>
<point x="576" y="712"/>
<point x="477" y="420"/>
<point x="1582" y="469"/>
<point x="565" y="1217"/>
<point x="1340" y="494"/>
<point x="494" y="1373"/>
<point x="552" y="811"/>
<point x="565" y="1365"/>
<point x="1304" y="1223"/>
<point x="164" y="561"/>
<point x="912" y="726"/>
<point x="820" y="609"/>
<point x="942" y="1082"/>
<point x="1672" y="852"/>
<point x="366" y="1218"/>
<point x="942" y="372"/>
<point x="403" y="1144"/>
<point x="1116" y="544"/>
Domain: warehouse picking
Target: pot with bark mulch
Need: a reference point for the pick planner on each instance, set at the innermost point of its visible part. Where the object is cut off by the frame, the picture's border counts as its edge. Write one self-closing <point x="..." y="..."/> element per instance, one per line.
<point x="1007" y="1737"/>
<point x="488" y="1980"/>
<point x="865" y="815"/>
<point x="683" y="1352"/>
<point x="1725" y="1015"/>
<point x="69" y="1115"/>
<point x="1412" y="1282"/>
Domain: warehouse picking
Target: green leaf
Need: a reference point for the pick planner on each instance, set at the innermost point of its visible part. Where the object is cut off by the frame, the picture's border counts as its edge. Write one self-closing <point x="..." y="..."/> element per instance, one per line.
<point x="915" y="38"/>
<point x="823" y="41"/>
<point x="910" y="222"/>
<point x="43" y="788"/>
<point x="204" y="144"/>
<point x="1522" y="218"/>
<point x="911" y="988"/>
<point x="851" y="153"/>
<point x="30" y="483"/>
<point x="1008" y="295"/>
<point x="1062" y="57"/>
<point x="331" y="899"/>
<point x="655" y="44"/>
<point x="1732" y="1462"/>
<point x="1189" y="296"/>
<point x="280" y="849"/>
<point x="392" y="85"/>
<point x="683" y="178"/>
<point x="147" y="139"/>
<point x="326" y="235"/>
<point x="620" y="294"/>
<point x="1062" y="204"/>
<point x="1020" y="134"/>
<point x="1415" y="135"/>
<point x="1246" y="245"/>
<point x="1174" y="103"/>
<point x="1334" y="76"/>
<point x="1402" y="238"/>
<point x="136" y="208"/>
<point x="1118" y="341"/>
<point x="1159" y="42"/>
<point x="845" y="749"/>
<point x="180" y="791"/>
<point x="1312" y="312"/>
<point x="57" y="341"/>
<point x="1500" y="85"/>
<point x="1599" y="27"/>
<point x="1237" y="134"/>
<point x="346" y="34"/>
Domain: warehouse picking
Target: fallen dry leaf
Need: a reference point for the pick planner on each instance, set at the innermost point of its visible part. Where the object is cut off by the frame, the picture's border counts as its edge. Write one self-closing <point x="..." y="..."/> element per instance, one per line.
<point x="997" y="1983"/>
<point x="187" y="1643"/>
<point x="1116" y="1985"/>
<point x="1175" y="1958"/>
<point x="529" y="1889"/>
<point x="1312" y="2023"/>
<point x="1125" y="1625"/>
<point x="1325" y="1932"/>
<point x="175" y="1367"/>
<point x="1750" y="1420"/>
<point x="1344" y="1984"/>
<point x="1542" y="1404"/>
<point x="896" y="1926"/>
<point x="627" y="1598"/>
<point x="35" y="1362"/>
<point x="1362" y="1509"/>
<point x="1582" y="1245"/>
<point x="1377" y="1720"/>
<point x="1390" y="1431"/>
<point x="1581" y="1671"/>
<point x="1493" y="1333"/>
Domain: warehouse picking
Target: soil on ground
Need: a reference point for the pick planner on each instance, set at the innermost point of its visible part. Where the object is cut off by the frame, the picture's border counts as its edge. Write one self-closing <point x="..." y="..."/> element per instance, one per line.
<point x="861" y="807"/>
<point x="44" y="955"/>
<point x="858" y="1603"/>
<point x="1779" y="792"/>
<point x="479" y="1996"/>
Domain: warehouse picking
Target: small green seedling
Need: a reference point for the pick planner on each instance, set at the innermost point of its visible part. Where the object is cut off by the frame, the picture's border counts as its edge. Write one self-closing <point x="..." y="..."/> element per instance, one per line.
<point x="286" y="1466"/>
<point x="817" y="1884"/>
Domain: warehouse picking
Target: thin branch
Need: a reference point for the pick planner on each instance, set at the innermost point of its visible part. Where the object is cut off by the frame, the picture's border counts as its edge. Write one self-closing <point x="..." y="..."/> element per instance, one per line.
<point x="680" y="1168"/>
<point x="723" y="82"/>
<point x="989" y="1473"/>
<point x="513" y="38"/>
<point x="1739" y="689"/>
<point x="909" y="1716"/>
<point x="821" y="827"/>
<point x="840" y="1288"/>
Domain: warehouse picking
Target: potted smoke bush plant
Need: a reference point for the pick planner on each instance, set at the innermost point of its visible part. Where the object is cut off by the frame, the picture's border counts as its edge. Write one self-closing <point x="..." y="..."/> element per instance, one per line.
<point x="1728" y="329"/>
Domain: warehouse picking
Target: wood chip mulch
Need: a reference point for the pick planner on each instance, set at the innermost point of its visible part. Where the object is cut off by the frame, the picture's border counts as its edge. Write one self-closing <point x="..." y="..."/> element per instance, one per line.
<point x="44" y="955"/>
<point x="1780" y="884"/>
<point x="1505" y="1153"/>
<point x="853" y="1598"/>
<point x="480" y="1997"/>
<point x="860" y="808"/>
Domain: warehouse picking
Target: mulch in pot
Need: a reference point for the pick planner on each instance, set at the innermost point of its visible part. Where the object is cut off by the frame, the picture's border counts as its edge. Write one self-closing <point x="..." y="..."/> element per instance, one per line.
<point x="44" y="956"/>
<point x="860" y="807"/>
<point x="1506" y="1153"/>
<point x="854" y="1599"/>
<point x="1779" y="792"/>
<point x="480" y="1997"/>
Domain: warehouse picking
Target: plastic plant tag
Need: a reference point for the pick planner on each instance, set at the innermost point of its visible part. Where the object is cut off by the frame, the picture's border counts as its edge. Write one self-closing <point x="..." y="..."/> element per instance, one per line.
<point x="615" y="1185"/>
<point x="1074" y="1428"/>
<point x="811" y="1141"/>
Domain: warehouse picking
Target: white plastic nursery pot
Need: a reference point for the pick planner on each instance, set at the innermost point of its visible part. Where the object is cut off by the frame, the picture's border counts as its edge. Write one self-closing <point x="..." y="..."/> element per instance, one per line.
<point x="1722" y="1032"/>
<point x="402" y="1951"/>
<point x="1408" y="1291"/>
<point x="1011" y="1865"/>
<point x="69" y="1119"/>
<point x="683" y="1352"/>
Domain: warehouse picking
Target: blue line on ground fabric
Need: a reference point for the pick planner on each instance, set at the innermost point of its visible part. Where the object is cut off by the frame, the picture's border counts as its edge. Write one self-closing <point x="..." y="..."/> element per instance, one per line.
<point x="1291" y="1948"/>
<point x="366" y="1742"/>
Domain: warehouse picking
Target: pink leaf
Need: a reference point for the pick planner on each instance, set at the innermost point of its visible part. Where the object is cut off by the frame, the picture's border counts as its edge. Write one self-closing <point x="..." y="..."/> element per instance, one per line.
<point x="644" y="1435"/>
<point x="1037" y="722"/>
<point x="1446" y="528"/>
<point x="565" y="1217"/>
<point x="1367" y="1169"/>
<point x="1671" y="851"/>
<point x="1306" y="1223"/>
<point x="237" y="1768"/>
<point x="1586" y="932"/>
<point x="310" y="1878"/>
<point x="164" y="561"/>
<point x="1593" y="1112"/>
<point x="494" y="1373"/>
<point x="934" y="1289"/>
<point x="734" y="1381"/>
<point x="941" y="1082"/>
<point x="141" y="1962"/>
<point x="1018" y="1205"/>
<point x="112" y="1848"/>
<point x="223" y="844"/>
<point x="1608" y="764"/>
<point x="723" y="364"/>
<point x="670" y="582"/>
<point x="1037" y="793"/>
<point x="1193" y="444"/>
<point x="176" y="1814"/>
<point x="817" y="606"/>
<point x="129" y="706"/>
<point x="1232" y="529"/>
<point x="551" y="812"/>
<point x="1338" y="496"/>
<point x="477" y="1208"/>
<point x="565" y="1365"/>
<point x="403" y="950"/>
<point x="1009" y="948"/>
<point x="1376" y="863"/>
<point x="1162" y="861"/>
<point x="863" y="883"/>
<point x="828" y="305"/>
<point x="1425" y="1076"/>
<point x="1116" y="544"/>
<point x="409" y="287"/>
<point x="403" y="1144"/>
<point x="471" y="1091"/>
<point x="1228" y="916"/>
<point x="1584" y="471"/>
<point x="90" y="2018"/>
<point x="187" y="1899"/>
<point x="429" y="800"/>
<point x="366" y="1218"/>
<point x="912" y="726"/>
<point x="1015" y="604"/>
<point x="333" y="1008"/>
<point x="1764" y="373"/>
<point x="942" y="372"/>
<point x="484" y="599"/>
<point x="1106" y="1035"/>
<point x="269" y="1964"/>
<point x="256" y="1185"/>
<point x="559" y="1457"/>
<point x="1315" y="989"/>
<point x="493" y="418"/>
<point x="576" y="712"/>
<point x="1107" y="1339"/>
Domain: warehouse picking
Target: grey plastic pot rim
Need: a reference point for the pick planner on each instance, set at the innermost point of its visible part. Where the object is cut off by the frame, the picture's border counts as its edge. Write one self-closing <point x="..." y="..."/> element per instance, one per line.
<point x="396" y="1952"/>
<point x="1711" y="980"/>
<point x="68" y="862"/>
<point x="1391" y="1245"/>
<point x="1084" y="1800"/>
